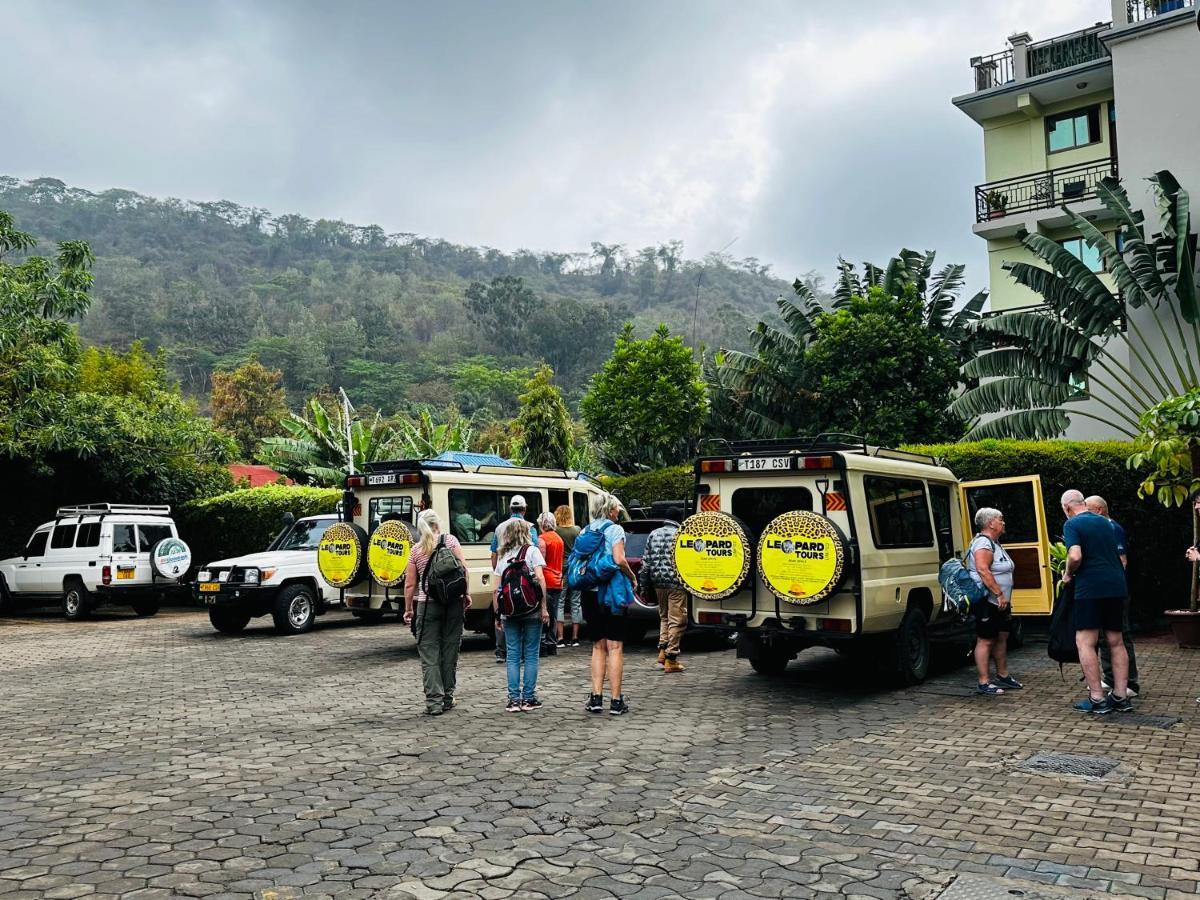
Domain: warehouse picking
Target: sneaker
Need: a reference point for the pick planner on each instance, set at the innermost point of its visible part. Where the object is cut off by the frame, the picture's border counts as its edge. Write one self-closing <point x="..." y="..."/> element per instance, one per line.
<point x="672" y="665"/>
<point x="595" y="703"/>
<point x="433" y="710"/>
<point x="513" y="705"/>
<point x="1007" y="681"/>
<point x="1121" y="704"/>
<point x="574" y="643"/>
<point x="618" y="707"/>
<point x="501" y="660"/>
<point x="448" y="704"/>
<point x="1099" y="707"/>
<point x="530" y="704"/>
<point x="662" y="655"/>
<point x="560" y="644"/>
<point x="988" y="689"/>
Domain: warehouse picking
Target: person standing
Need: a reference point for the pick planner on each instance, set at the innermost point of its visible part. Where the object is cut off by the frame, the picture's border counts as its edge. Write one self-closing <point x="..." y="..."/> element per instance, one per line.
<point x="516" y="511"/>
<point x="992" y="567"/>
<point x="658" y="576"/>
<point x="1094" y="566"/>
<point x="553" y="552"/>
<point x="1098" y="505"/>
<point x="606" y="627"/>
<point x="570" y="598"/>
<point x="523" y="634"/>
<point x="439" y="621"/>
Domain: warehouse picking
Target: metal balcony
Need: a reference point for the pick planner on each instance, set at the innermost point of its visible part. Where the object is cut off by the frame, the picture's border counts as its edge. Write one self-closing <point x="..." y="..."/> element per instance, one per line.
<point x="1140" y="10"/>
<point x="1024" y="60"/>
<point x="1041" y="190"/>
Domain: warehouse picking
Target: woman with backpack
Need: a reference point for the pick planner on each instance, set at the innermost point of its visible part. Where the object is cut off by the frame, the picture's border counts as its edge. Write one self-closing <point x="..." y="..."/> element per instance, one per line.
<point x="605" y="625"/>
<point x="520" y="596"/>
<point x="992" y="567"/>
<point x="436" y="595"/>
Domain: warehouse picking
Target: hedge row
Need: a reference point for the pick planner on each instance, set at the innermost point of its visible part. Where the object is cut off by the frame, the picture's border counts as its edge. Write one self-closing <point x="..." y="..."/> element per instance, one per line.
<point x="246" y="521"/>
<point x="1157" y="536"/>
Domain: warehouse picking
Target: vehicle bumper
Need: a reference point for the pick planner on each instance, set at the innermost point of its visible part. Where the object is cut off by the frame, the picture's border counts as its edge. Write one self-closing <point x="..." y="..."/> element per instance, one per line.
<point x="125" y="593"/>
<point x="236" y="595"/>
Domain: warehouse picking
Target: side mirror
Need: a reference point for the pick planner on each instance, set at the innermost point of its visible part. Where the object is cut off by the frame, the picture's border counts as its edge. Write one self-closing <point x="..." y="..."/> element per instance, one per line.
<point x="288" y="520"/>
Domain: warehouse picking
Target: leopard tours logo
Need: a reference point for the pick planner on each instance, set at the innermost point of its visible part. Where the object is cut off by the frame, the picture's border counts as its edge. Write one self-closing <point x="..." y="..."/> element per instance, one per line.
<point x="799" y="549"/>
<point x="712" y="547"/>
<point x="801" y="556"/>
<point x="710" y="555"/>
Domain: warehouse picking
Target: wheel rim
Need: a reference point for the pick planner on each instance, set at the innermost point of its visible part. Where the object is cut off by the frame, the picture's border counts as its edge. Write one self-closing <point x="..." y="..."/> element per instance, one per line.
<point x="916" y="648"/>
<point x="73" y="603"/>
<point x="299" y="610"/>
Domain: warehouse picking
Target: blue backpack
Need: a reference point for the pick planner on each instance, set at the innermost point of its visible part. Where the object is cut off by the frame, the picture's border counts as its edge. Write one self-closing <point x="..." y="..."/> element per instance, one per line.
<point x="590" y="564"/>
<point x="961" y="590"/>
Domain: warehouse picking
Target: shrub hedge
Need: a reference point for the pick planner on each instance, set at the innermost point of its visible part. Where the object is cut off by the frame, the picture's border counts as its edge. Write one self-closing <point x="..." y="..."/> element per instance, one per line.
<point x="1157" y="536"/>
<point x="246" y="521"/>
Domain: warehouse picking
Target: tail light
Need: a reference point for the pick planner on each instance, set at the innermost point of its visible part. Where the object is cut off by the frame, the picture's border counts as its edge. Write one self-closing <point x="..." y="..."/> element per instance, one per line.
<point x="818" y="462"/>
<point x="840" y="625"/>
<point x="106" y="575"/>
<point x="710" y="618"/>
<point x="716" y="465"/>
<point x="353" y="481"/>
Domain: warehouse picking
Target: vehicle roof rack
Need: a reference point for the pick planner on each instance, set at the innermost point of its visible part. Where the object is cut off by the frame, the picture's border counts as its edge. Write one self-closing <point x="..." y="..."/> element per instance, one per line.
<point x="414" y="465"/>
<point x="450" y="465"/>
<point x="106" y="509"/>
<point x="824" y="443"/>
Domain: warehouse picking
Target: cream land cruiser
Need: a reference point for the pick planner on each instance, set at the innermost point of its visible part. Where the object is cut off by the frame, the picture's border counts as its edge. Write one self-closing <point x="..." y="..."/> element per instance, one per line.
<point x="365" y="556"/>
<point x="829" y="542"/>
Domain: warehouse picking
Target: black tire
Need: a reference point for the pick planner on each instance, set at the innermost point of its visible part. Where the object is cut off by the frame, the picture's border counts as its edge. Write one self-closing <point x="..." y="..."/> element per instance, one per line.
<point x="228" y="620"/>
<point x="76" y="602"/>
<point x="770" y="662"/>
<point x="910" y="648"/>
<point x="295" y="609"/>
<point x="1016" y="637"/>
<point x="369" y="616"/>
<point x="145" y="608"/>
<point x="6" y="602"/>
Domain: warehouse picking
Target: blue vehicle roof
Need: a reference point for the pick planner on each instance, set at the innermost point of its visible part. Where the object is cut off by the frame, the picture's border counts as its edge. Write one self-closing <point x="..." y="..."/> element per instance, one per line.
<point x="473" y="459"/>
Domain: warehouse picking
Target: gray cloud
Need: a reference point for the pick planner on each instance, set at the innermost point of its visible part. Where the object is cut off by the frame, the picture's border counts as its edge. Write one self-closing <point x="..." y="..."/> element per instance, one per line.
<point x="801" y="129"/>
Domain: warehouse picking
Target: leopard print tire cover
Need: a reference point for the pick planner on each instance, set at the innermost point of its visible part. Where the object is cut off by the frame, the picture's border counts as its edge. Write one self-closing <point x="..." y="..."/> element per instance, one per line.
<point x="712" y="555"/>
<point x="802" y="557"/>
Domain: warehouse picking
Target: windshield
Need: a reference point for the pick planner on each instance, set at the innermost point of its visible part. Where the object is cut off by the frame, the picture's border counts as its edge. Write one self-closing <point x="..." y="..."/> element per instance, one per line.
<point x="305" y="535"/>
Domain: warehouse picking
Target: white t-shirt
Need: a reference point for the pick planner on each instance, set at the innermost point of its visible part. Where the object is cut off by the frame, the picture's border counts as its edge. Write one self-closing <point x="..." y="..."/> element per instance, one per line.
<point x="533" y="558"/>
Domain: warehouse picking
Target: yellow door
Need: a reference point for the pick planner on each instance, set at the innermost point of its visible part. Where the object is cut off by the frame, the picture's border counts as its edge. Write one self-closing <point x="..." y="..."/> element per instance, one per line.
<point x="1025" y="536"/>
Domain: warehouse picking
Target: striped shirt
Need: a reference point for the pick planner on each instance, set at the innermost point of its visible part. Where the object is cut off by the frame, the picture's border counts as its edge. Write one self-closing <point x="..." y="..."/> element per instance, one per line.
<point x="419" y="559"/>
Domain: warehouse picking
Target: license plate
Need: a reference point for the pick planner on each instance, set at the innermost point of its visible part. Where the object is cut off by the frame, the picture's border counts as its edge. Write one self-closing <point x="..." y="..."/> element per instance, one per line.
<point x="765" y="464"/>
<point x="209" y="586"/>
<point x="126" y="574"/>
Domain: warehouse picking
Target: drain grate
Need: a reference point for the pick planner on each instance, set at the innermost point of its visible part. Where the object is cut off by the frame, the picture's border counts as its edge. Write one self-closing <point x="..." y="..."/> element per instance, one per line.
<point x="1091" y="767"/>
<point x="1149" y="721"/>
<point x="980" y="887"/>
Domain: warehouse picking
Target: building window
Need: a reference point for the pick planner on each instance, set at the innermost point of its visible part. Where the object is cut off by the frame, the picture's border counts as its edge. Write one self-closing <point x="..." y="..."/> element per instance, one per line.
<point x="899" y="512"/>
<point x="1077" y="128"/>
<point x="1089" y="256"/>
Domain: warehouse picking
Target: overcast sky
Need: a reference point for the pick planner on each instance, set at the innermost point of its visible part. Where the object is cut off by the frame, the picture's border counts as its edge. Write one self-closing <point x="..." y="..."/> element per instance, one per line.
<point x="801" y="129"/>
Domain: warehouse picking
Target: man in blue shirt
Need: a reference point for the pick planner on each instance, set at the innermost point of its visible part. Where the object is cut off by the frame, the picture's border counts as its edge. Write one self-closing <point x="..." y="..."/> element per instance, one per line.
<point x="1094" y="565"/>
<point x="1099" y="506"/>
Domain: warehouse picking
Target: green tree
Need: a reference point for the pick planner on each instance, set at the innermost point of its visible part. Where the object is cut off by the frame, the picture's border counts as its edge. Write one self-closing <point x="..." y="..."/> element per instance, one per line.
<point x="647" y="405"/>
<point x="135" y="373"/>
<point x="424" y="436"/>
<point x="315" y="449"/>
<point x="1029" y="382"/>
<point x="248" y="403"/>
<point x="502" y="309"/>
<point x="543" y="423"/>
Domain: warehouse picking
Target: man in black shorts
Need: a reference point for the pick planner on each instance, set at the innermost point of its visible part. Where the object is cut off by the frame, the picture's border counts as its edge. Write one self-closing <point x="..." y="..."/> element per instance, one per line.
<point x="1094" y="564"/>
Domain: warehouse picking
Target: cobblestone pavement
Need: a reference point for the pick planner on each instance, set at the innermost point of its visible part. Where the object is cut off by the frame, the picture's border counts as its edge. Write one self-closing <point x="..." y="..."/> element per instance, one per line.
<point x="156" y="758"/>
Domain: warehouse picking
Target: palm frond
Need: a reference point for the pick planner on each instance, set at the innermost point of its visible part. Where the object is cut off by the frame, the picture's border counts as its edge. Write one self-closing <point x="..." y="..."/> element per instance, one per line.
<point x="1025" y="424"/>
<point x="1016" y="392"/>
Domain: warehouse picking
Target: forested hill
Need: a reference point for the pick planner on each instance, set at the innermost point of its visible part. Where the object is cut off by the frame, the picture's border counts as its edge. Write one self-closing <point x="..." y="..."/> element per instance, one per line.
<point x="388" y="316"/>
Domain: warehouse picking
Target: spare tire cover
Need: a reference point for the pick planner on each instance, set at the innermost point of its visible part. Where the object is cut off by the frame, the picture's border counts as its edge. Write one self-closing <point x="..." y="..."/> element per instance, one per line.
<point x="712" y="555"/>
<point x="342" y="554"/>
<point x="171" y="558"/>
<point x="802" y="557"/>
<point x="388" y="552"/>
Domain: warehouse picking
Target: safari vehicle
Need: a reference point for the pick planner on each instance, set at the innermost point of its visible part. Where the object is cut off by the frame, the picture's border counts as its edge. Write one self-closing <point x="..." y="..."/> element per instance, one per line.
<point x="95" y="554"/>
<point x="472" y="498"/>
<point x="838" y="544"/>
<point x="281" y="581"/>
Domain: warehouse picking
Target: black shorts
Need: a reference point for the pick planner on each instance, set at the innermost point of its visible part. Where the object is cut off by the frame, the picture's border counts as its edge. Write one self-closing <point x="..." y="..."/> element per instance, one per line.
<point x="600" y="624"/>
<point x="991" y="621"/>
<point x="1100" y="614"/>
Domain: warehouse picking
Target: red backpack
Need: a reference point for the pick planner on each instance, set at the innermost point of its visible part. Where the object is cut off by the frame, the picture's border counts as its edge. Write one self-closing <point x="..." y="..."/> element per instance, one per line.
<point x="520" y="594"/>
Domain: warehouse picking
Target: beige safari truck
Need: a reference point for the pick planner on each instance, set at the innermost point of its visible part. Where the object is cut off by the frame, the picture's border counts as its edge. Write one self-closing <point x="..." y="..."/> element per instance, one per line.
<point x="364" y="556"/>
<point x="829" y="542"/>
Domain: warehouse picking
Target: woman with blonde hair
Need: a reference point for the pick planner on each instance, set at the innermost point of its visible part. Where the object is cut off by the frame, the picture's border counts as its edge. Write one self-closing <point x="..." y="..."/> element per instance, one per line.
<point x="439" y="621"/>
<point x="569" y="598"/>
<point x="522" y="634"/>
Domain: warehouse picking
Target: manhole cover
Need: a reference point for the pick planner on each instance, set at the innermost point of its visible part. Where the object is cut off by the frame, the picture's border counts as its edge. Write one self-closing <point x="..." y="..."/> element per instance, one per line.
<point x="1069" y="764"/>
<point x="980" y="887"/>
<point x="1150" y="721"/>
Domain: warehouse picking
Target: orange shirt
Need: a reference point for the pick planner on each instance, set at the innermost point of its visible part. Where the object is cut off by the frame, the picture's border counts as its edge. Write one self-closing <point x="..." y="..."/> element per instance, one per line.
<point x="552" y="548"/>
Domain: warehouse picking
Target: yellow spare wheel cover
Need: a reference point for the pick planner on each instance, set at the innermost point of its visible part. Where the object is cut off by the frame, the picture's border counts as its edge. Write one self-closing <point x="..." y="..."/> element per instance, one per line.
<point x="802" y="557"/>
<point x="341" y="555"/>
<point x="388" y="552"/>
<point x="712" y="555"/>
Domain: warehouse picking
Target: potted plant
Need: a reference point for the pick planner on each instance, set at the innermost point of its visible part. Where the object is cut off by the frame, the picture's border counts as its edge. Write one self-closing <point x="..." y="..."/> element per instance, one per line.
<point x="996" y="203"/>
<point x="1168" y="444"/>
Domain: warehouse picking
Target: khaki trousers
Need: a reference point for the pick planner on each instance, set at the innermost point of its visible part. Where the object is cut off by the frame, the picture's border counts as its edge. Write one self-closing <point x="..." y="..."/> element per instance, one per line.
<point x="672" y="615"/>
<point x="439" y="636"/>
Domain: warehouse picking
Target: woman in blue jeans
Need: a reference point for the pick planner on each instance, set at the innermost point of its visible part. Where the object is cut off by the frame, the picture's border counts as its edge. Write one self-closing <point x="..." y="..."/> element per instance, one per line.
<point x="523" y="635"/>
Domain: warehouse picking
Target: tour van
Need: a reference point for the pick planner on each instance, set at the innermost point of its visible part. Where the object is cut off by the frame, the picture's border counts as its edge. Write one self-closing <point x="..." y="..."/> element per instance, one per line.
<point x="365" y="555"/>
<point x="828" y="541"/>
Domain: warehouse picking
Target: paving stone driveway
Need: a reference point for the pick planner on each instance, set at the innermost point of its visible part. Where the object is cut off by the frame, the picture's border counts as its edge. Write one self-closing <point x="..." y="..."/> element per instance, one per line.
<point x="155" y="758"/>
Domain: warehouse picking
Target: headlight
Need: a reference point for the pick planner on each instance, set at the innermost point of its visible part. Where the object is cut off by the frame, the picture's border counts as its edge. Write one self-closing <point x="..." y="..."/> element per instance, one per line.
<point x="204" y="575"/>
<point x="267" y="574"/>
<point x="250" y="576"/>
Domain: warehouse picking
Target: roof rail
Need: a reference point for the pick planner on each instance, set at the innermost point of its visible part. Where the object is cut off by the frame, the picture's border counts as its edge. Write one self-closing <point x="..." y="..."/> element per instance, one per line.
<point x="830" y="440"/>
<point x="584" y="476"/>
<point x="527" y="471"/>
<point x="413" y="465"/>
<point x="91" y="509"/>
<point x="889" y="453"/>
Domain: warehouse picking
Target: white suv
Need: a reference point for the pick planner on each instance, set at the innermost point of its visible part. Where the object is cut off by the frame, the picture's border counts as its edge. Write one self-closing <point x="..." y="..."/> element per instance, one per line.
<point x="96" y="554"/>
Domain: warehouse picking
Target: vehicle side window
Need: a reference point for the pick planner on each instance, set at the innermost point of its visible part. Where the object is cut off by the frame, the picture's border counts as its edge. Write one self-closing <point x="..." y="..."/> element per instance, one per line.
<point x="899" y="512"/>
<point x="89" y="535"/>
<point x="579" y="508"/>
<point x="474" y="513"/>
<point x="149" y="535"/>
<point x="63" y="537"/>
<point x="37" y="544"/>
<point x="939" y="498"/>
<point x="124" y="539"/>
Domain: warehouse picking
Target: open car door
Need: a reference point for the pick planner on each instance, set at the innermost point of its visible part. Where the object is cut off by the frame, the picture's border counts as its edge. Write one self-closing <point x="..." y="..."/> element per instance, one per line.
<point x="1025" y="536"/>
